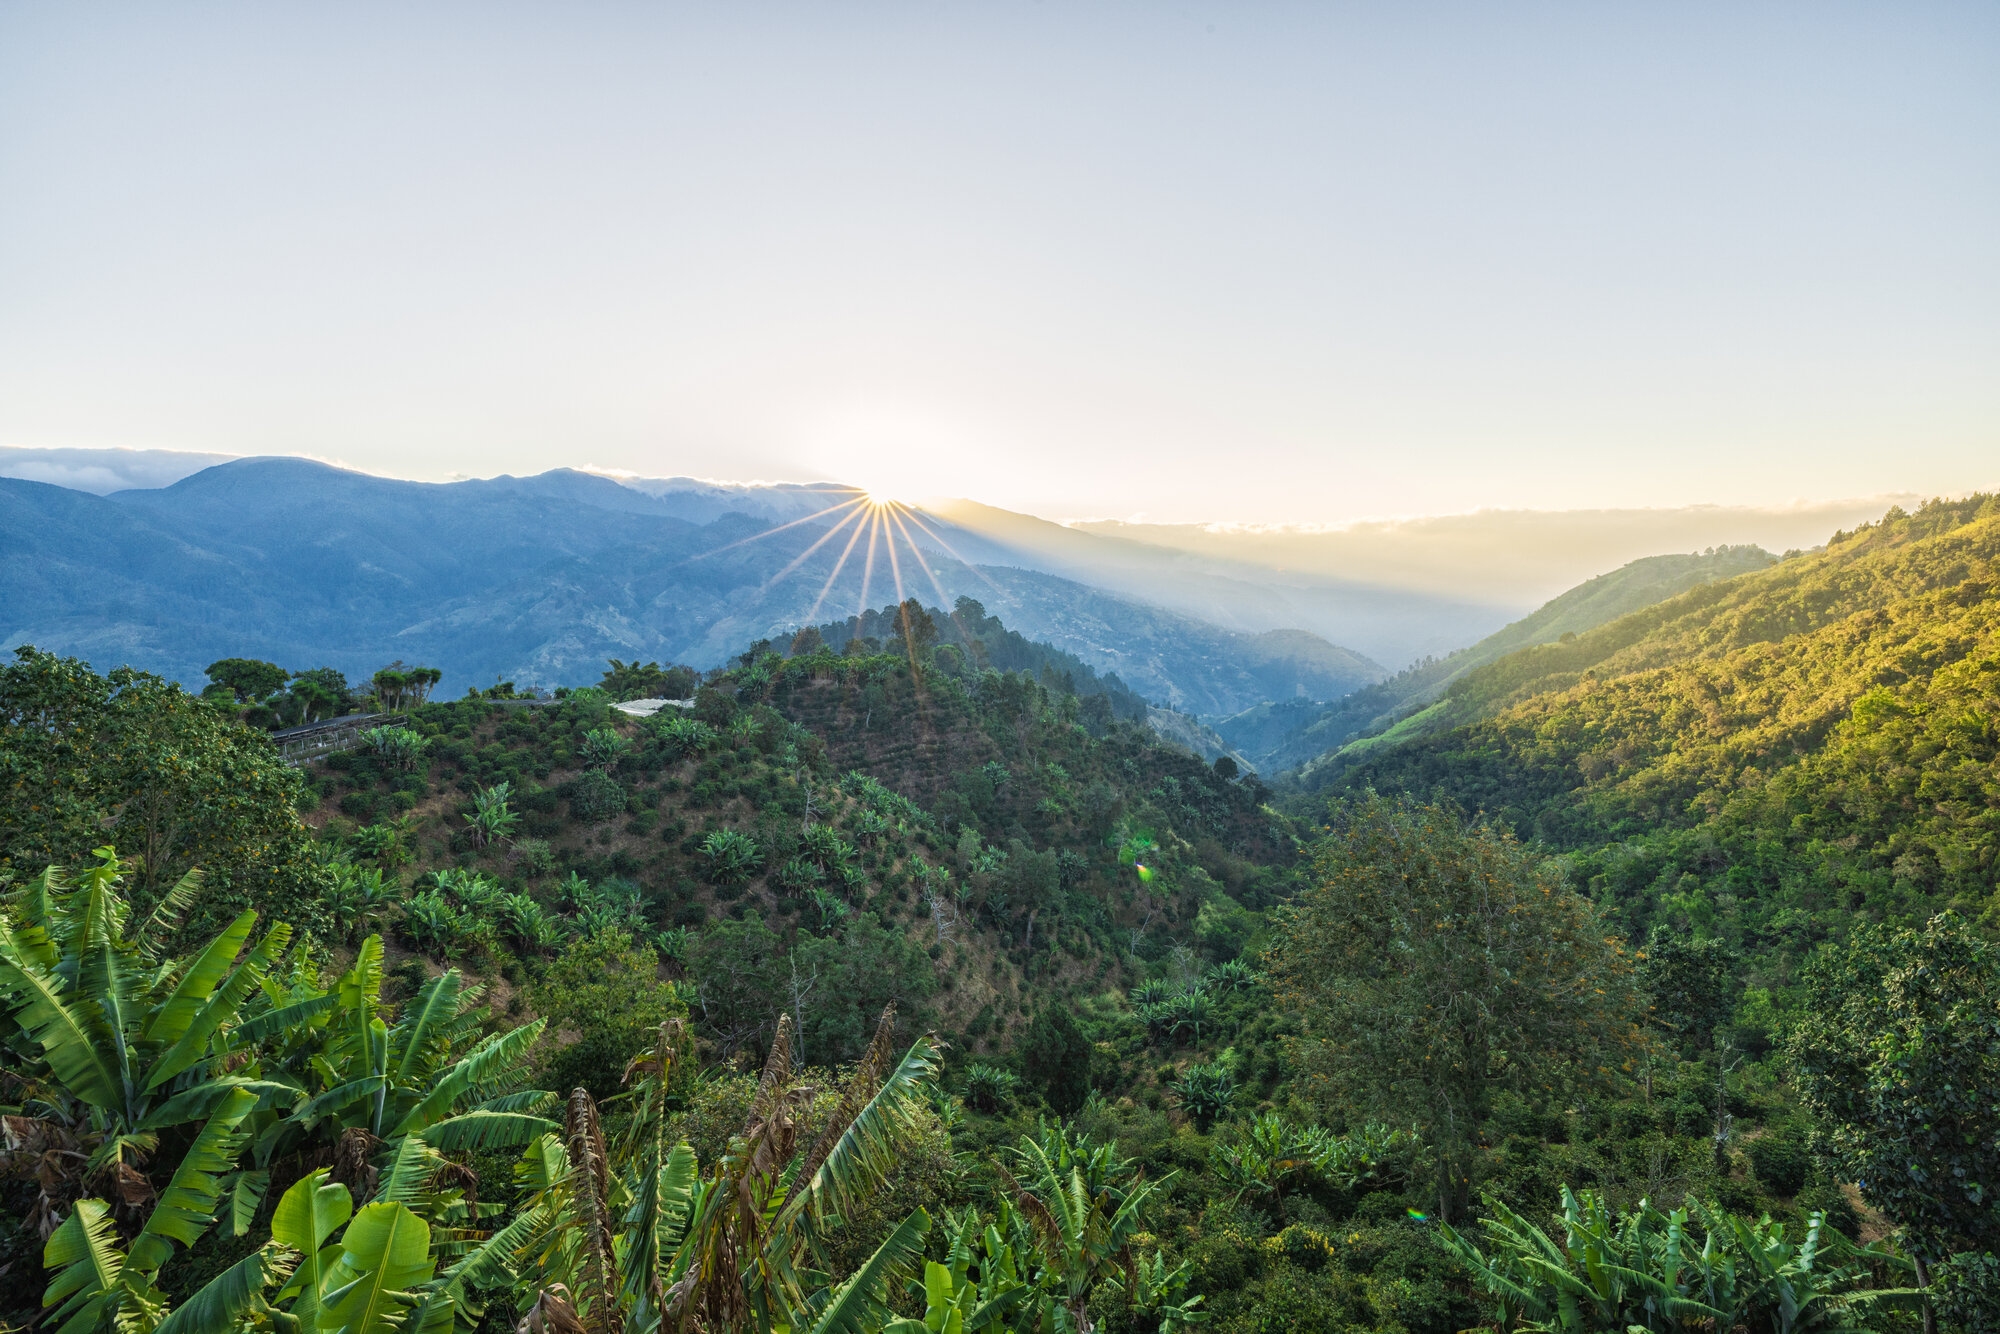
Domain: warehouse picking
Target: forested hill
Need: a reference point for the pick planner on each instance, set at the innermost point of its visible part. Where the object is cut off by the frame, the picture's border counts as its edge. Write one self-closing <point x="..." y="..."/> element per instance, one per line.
<point x="1764" y="755"/>
<point x="1283" y="735"/>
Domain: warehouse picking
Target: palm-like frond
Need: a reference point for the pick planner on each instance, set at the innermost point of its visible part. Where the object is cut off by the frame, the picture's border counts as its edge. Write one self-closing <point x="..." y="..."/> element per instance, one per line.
<point x="384" y="1254"/>
<point x="170" y="1021"/>
<point x="76" y="1041"/>
<point x="305" y="1220"/>
<point x="188" y="1205"/>
<point x="864" y="1153"/>
<point x="85" y="1250"/>
<point x="483" y="1129"/>
<point x="284" y="1019"/>
<point x="225" y="1299"/>
<point x="220" y="1006"/>
<point x="434" y="1006"/>
<point x="485" y="1065"/>
<point x="166" y="916"/>
<point x="860" y="1304"/>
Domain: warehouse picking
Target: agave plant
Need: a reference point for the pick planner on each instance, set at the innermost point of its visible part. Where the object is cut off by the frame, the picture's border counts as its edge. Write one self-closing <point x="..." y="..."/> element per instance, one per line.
<point x="1153" y="991"/>
<point x="128" y="1036"/>
<point x="833" y="909"/>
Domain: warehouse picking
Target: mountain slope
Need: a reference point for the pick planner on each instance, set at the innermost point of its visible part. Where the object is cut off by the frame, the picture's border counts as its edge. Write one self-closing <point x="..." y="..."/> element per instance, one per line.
<point x="1282" y="738"/>
<point x="1822" y="733"/>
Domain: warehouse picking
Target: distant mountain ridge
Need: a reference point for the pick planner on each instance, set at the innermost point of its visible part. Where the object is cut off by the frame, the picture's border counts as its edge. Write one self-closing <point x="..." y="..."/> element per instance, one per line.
<point x="537" y="579"/>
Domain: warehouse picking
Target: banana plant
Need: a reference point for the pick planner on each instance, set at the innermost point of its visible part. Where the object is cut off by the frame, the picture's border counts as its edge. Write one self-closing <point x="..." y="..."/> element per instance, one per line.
<point x="1645" y="1270"/>
<point x="1080" y="1233"/>
<point x="373" y="1074"/>
<point x="101" y="1285"/>
<point x="980" y="1288"/>
<point x="125" y="1035"/>
<point x="647" y="1243"/>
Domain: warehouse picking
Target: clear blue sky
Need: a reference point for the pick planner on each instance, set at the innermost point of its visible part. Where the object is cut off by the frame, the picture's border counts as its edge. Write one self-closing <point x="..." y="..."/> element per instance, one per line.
<point x="1252" y="262"/>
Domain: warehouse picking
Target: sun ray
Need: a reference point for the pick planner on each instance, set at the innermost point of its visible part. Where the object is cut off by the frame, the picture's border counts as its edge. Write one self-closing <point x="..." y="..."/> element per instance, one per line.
<point x="889" y="543"/>
<point x="896" y="512"/>
<point x="938" y="537"/>
<point x="801" y="558"/>
<point x="813" y="616"/>
<point x="868" y="570"/>
<point x="859" y="499"/>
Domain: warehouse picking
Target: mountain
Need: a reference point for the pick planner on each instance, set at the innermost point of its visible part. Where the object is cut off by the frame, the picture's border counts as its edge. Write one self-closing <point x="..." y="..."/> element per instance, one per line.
<point x="1351" y="605"/>
<point x="1763" y="754"/>
<point x="1502" y="558"/>
<point x="1284" y="735"/>
<point x="538" y="580"/>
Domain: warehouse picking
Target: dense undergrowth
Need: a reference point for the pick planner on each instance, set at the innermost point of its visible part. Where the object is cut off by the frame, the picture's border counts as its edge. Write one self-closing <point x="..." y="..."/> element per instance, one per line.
<point x="1091" y="949"/>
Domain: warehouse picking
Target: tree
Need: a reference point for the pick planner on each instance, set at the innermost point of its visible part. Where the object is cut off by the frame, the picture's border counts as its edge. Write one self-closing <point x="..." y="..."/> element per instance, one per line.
<point x="604" y="998"/>
<point x="131" y="760"/>
<point x="1691" y="985"/>
<point x="1896" y="1054"/>
<point x="630" y="680"/>
<point x="1434" y="962"/>
<point x="866" y="969"/>
<point x="321" y="693"/>
<point x="808" y="640"/>
<point x="248" y="679"/>
<point x="915" y="627"/>
<point x="1225" y="768"/>
<point x="740" y="975"/>
<point x="1058" y="1059"/>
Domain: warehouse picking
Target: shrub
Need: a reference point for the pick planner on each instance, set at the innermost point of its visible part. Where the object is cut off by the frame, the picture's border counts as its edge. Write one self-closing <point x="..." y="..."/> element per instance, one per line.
<point x="597" y="797"/>
<point x="988" y="1088"/>
<point x="1205" y="1092"/>
<point x="731" y="856"/>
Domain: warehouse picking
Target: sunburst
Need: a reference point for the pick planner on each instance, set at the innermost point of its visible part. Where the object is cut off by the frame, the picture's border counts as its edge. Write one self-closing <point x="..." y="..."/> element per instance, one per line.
<point x="887" y="525"/>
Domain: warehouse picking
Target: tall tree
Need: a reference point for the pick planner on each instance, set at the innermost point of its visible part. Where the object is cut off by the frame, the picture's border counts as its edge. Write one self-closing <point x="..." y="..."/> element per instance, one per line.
<point x="1435" y="962"/>
<point x="133" y="760"/>
<point x="1896" y="1052"/>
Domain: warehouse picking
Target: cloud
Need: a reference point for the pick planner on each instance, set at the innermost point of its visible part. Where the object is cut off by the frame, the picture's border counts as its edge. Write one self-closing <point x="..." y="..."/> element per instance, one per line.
<point x="102" y="471"/>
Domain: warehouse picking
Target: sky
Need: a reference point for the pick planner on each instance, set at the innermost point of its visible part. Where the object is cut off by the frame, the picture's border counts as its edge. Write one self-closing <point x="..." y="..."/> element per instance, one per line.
<point x="1187" y="262"/>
